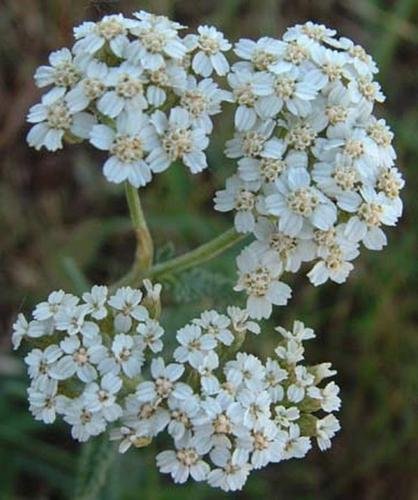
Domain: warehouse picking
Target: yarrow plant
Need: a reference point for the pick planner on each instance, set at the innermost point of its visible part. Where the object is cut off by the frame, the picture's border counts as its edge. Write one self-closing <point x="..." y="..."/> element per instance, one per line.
<point x="96" y="362"/>
<point x="315" y="180"/>
<point x="316" y="176"/>
<point x="130" y="87"/>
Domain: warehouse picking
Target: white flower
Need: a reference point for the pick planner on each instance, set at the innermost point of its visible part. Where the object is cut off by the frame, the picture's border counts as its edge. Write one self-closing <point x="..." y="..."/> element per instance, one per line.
<point x="361" y="61"/>
<point x="367" y="90"/>
<point x="322" y="371"/>
<point x="231" y="472"/>
<point x="150" y="332"/>
<point x="128" y="437"/>
<point x="217" y="325"/>
<point x="291" y="352"/>
<point x="251" y="407"/>
<point x="79" y="358"/>
<point x="376" y="210"/>
<point x="178" y="141"/>
<point x="127" y="301"/>
<point x="202" y="100"/>
<point x="273" y="163"/>
<point x="111" y="30"/>
<point x="296" y="446"/>
<point x="20" y="330"/>
<point x="153" y="290"/>
<point x="240" y="323"/>
<point x="149" y="418"/>
<point x="210" y="43"/>
<point x="303" y="379"/>
<point x="53" y="120"/>
<point x="340" y="181"/>
<point x="390" y="182"/>
<point x="265" y="443"/>
<point x="96" y="300"/>
<point x="245" y="369"/>
<point x="352" y="146"/>
<point x="56" y="300"/>
<point x="64" y="71"/>
<point x="328" y="396"/>
<point x="332" y="66"/>
<point x="157" y="40"/>
<point x="215" y="427"/>
<point x="247" y="88"/>
<point x="326" y="428"/>
<point x="127" y="91"/>
<point x="334" y="264"/>
<point x="285" y="416"/>
<point x="259" y="278"/>
<point x="127" y="354"/>
<point x="274" y="375"/>
<point x="183" y="462"/>
<point x="72" y="319"/>
<point x="298" y="202"/>
<point x="182" y="413"/>
<point x="88" y="89"/>
<point x="293" y="90"/>
<point x="84" y="423"/>
<point x="162" y="81"/>
<point x="299" y="332"/>
<point x="263" y="54"/>
<point x="255" y="142"/>
<point x="238" y="195"/>
<point x="290" y="251"/>
<point x="208" y="381"/>
<point x="193" y="345"/>
<point x="102" y="397"/>
<point x="128" y="147"/>
<point x="164" y="382"/>
<point x="41" y="363"/>
<point x="318" y="32"/>
<point x="43" y="401"/>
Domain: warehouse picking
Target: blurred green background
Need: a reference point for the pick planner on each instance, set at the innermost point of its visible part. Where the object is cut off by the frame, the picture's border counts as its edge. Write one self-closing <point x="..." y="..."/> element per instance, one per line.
<point x="60" y="222"/>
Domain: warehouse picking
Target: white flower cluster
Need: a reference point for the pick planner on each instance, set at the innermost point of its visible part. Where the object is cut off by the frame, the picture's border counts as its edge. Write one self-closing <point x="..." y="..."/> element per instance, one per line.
<point x="237" y="416"/>
<point x="316" y="175"/>
<point x="226" y="417"/>
<point x="134" y="88"/>
<point x="85" y="352"/>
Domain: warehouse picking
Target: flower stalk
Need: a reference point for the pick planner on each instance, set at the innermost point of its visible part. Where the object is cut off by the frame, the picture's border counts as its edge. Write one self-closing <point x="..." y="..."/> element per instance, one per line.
<point x="144" y="254"/>
<point x="195" y="257"/>
<point x="198" y="256"/>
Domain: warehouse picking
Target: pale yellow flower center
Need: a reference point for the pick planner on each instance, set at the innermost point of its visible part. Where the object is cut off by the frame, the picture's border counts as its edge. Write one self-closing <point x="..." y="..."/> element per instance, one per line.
<point x="177" y="142"/>
<point x="59" y="116"/>
<point x="257" y="282"/>
<point x="128" y="149"/>
<point x="303" y="201"/>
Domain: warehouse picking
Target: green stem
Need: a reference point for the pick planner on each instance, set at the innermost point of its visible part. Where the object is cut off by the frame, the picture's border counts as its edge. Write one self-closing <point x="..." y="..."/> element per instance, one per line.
<point x="201" y="254"/>
<point x="96" y="459"/>
<point x="144" y="248"/>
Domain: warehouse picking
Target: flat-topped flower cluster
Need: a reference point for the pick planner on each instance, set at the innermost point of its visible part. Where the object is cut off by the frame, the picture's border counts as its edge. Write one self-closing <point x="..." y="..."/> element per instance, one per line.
<point x="316" y="179"/>
<point x="95" y="361"/>
<point x="136" y="89"/>
<point x="316" y="175"/>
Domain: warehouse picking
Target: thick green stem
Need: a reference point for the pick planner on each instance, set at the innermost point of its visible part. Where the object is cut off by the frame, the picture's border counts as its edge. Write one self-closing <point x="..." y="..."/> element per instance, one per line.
<point x="144" y="247"/>
<point x="205" y="252"/>
<point x="96" y="460"/>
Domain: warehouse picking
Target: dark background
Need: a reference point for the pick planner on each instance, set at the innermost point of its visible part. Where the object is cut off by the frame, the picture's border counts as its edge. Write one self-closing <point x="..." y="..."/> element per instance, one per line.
<point x="62" y="224"/>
